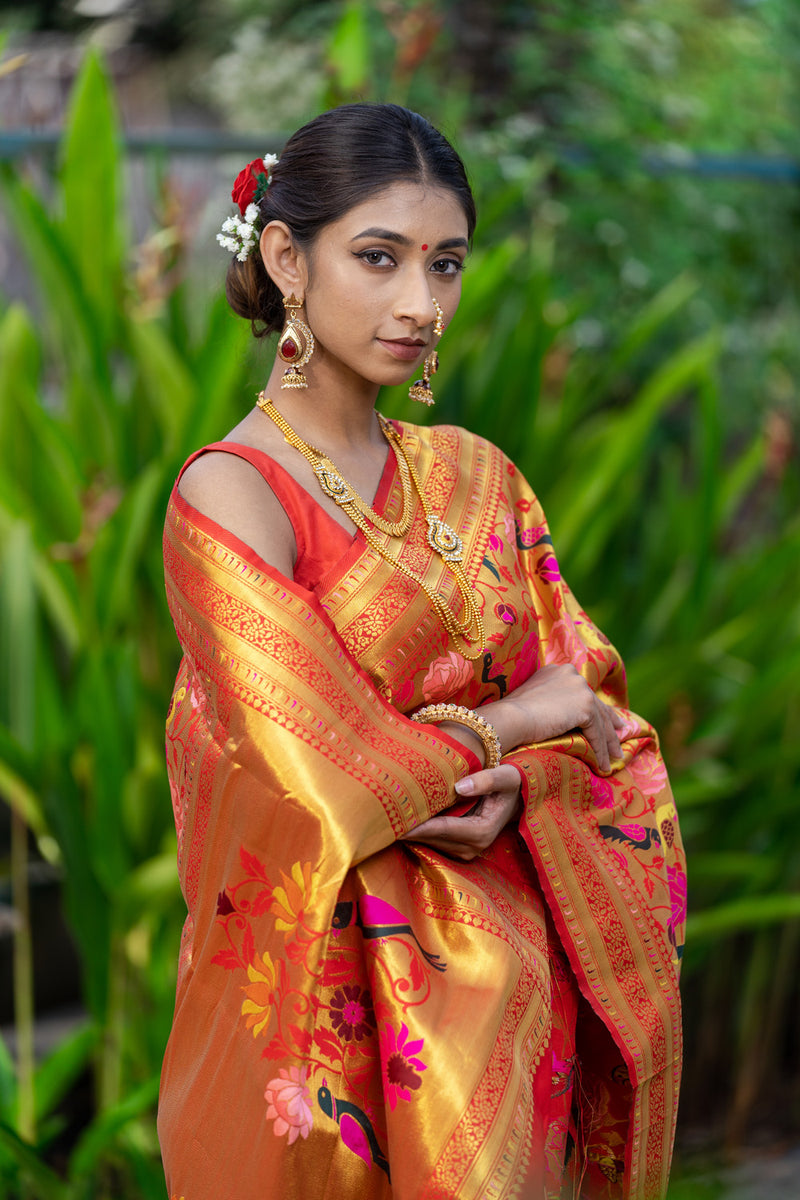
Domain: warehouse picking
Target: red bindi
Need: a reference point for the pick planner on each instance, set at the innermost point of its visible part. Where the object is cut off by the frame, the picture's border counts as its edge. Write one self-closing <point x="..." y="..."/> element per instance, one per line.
<point x="425" y="246"/>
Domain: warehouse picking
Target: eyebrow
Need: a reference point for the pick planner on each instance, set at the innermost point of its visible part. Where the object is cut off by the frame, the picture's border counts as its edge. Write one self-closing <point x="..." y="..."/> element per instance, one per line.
<point x="387" y="235"/>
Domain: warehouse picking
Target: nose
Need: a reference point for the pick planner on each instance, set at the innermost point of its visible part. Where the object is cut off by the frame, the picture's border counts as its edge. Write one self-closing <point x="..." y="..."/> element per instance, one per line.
<point x="414" y="304"/>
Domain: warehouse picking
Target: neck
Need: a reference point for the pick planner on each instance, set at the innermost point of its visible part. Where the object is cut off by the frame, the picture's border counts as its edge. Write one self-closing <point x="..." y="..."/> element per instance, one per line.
<point x="332" y="413"/>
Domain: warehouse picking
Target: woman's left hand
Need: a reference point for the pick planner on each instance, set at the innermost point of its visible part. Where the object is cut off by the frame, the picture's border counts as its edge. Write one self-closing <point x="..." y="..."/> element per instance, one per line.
<point x="497" y="793"/>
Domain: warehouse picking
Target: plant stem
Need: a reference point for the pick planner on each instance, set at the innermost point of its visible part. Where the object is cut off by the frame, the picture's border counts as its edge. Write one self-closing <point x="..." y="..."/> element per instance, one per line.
<point x="110" y="1072"/>
<point x="23" y="978"/>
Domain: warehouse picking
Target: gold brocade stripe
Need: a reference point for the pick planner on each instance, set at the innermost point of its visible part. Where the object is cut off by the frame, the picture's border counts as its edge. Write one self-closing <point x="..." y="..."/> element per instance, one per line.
<point x="488" y="1149"/>
<point x="620" y="915"/>
<point x="387" y="622"/>
<point x="640" y="1006"/>
<point x="239" y="622"/>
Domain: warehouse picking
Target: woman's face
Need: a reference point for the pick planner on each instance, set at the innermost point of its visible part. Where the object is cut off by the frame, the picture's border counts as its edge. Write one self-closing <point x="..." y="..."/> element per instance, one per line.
<point x="374" y="274"/>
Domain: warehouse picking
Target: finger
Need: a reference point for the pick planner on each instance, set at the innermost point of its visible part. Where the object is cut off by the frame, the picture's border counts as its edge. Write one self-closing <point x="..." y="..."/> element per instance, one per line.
<point x="595" y="734"/>
<point x="454" y="850"/>
<point x="446" y="841"/>
<point x="440" y="826"/>
<point x="612" y="741"/>
<point x="493" y="779"/>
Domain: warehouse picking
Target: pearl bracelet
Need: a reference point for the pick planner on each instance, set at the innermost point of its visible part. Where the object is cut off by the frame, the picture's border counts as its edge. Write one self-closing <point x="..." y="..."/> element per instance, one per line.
<point x="464" y="716"/>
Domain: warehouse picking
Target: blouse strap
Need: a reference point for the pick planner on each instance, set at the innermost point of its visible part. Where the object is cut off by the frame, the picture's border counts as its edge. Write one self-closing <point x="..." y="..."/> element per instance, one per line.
<point x="285" y="488"/>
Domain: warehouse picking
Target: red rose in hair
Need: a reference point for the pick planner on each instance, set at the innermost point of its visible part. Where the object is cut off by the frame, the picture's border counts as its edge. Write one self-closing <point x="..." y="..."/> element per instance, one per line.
<point x="253" y="179"/>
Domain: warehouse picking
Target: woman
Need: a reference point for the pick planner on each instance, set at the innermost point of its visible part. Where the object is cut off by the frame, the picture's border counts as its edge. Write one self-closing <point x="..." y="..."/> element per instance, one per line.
<point x="409" y="969"/>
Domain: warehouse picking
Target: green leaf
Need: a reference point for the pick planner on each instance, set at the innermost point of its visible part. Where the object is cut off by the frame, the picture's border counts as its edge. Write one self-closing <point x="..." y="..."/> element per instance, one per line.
<point x="738" y="916"/>
<point x="153" y="883"/>
<point x="17" y="793"/>
<point x="129" y="533"/>
<point x="70" y="317"/>
<point x="348" y="49"/>
<point x="104" y="1130"/>
<point x="169" y="384"/>
<point x="8" y="1085"/>
<point x="47" y="1184"/>
<point x="61" y="1068"/>
<point x="618" y="446"/>
<point x="18" y="632"/>
<point x="89" y="184"/>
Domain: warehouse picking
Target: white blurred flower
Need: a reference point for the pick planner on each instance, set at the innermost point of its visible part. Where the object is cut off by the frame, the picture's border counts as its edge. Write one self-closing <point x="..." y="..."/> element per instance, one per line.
<point x="635" y="273"/>
<point x="265" y="80"/>
<point x="680" y="107"/>
<point x="270" y="161"/>
<point x="610" y="233"/>
<point x="251" y="214"/>
<point x="553" y="212"/>
<point x="513" y="166"/>
<point x="588" y="333"/>
<point x="726" y="218"/>
<point x="675" y="153"/>
<point x="523" y="126"/>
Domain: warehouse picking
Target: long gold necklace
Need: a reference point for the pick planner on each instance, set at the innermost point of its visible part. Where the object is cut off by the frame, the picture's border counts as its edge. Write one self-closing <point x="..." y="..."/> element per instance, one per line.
<point x="441" y="537"/>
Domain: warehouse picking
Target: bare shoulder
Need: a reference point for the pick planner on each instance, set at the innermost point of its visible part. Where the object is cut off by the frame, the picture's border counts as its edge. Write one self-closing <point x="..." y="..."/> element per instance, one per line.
<point x="230" y="491"/>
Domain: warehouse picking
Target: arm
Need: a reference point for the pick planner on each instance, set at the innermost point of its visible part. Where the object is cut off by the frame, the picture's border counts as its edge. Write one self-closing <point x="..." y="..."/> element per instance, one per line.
<point x="230" y="491"/>
<point x="553" y="701"/>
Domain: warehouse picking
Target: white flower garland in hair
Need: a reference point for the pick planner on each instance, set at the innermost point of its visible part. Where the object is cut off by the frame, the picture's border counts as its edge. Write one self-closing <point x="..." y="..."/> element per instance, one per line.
<point x="240" y="234"/>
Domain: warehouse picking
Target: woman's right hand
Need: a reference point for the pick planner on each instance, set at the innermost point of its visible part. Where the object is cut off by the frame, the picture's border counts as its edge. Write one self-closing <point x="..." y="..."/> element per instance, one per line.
<point x="556" y="700"/>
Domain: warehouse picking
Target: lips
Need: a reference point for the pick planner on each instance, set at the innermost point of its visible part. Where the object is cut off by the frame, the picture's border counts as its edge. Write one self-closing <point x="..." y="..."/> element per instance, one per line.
<point x="405" y="349"/>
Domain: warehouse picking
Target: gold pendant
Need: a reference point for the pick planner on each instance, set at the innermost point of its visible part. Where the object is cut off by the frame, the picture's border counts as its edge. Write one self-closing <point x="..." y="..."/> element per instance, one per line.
<point x="444" y="540"/>
<point x="333" y="485"/>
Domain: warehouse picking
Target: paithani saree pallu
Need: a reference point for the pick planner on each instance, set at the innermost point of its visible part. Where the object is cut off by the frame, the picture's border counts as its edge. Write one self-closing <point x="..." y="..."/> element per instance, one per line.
<point x="359" y="1016"/>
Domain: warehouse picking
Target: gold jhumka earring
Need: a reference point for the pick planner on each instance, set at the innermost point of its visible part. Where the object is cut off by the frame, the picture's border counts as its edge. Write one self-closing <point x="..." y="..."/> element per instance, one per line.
<point x="295" y="345"/>
<point x="421" y="388"/>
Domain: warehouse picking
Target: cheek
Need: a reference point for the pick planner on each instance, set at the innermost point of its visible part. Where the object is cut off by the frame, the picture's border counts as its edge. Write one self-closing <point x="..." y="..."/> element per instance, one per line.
<point x="342" y="297"/>
<point x="449" y="297"/>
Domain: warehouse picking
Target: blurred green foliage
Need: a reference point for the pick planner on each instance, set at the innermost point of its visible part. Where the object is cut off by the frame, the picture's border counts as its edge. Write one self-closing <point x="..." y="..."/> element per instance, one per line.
<point x="626" y="338"/>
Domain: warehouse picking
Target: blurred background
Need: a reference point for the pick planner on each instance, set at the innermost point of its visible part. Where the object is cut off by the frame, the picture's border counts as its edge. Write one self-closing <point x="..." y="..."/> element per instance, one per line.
<point x="629" y="333"/>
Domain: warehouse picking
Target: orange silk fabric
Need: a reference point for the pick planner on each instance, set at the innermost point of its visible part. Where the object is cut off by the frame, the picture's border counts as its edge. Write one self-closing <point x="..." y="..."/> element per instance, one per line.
<point x="358" y="1016"/>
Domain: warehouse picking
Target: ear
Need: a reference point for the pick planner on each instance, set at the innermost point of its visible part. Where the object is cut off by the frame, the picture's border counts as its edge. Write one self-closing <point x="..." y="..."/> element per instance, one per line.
<point x="284" y="262"/>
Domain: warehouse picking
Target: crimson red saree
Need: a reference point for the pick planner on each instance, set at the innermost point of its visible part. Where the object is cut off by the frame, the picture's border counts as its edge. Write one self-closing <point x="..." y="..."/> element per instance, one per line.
<point x="358" y="1016"/>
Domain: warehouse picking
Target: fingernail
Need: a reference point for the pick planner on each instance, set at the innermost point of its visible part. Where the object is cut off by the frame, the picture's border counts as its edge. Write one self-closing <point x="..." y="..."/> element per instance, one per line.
<point x="465" y="787"/>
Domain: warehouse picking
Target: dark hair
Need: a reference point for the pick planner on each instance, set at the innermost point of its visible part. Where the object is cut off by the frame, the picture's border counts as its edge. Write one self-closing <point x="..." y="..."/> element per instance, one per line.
<point x="330" y="165"/>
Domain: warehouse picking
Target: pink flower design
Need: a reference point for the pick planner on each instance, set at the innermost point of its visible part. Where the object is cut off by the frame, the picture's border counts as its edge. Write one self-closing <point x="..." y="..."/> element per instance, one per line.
<point x="564" y="645"/>
<point x="527" y="661"/>
<point x="446" y="676"/>
<point x="402" y="697"/>
<point x="400" y="1064"/>
<point x="602" y="792"/>
<point x="289" y="1103"/>
<point x="676" y="878"/>
<point x="648" y="771"/>
<point x="506" y="612"/>
<point x="547" y="569"/>
<point x="351" y="1013"/>
<point x="629" y="727"/>
<point x="637" y="832"/>
<point x="527" y="538"/>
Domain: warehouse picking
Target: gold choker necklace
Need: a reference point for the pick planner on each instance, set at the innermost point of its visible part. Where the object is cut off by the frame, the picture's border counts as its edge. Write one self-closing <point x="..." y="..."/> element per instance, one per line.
<point x="441" y="538"/>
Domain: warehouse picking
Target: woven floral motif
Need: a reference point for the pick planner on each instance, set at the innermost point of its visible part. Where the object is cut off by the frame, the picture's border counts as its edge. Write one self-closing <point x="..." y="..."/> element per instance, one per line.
<point x="343" y="994"/>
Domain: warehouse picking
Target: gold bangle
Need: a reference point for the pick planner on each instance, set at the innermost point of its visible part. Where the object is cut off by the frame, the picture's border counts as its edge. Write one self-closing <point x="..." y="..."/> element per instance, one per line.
<point x="464" y="716"/>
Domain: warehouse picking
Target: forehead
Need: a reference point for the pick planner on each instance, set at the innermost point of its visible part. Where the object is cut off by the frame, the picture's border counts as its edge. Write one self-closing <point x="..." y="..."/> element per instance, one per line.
<point x="423" y="213"/>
